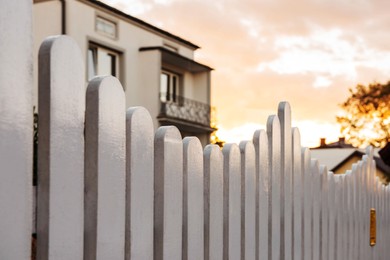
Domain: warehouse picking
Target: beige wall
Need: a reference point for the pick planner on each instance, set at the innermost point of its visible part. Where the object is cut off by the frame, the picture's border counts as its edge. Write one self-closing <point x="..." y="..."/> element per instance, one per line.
<point x="49" y="24"/>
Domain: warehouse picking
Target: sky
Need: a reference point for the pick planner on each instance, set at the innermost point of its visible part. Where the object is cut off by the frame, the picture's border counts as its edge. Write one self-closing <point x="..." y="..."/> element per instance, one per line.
<point x="306" y="52"/>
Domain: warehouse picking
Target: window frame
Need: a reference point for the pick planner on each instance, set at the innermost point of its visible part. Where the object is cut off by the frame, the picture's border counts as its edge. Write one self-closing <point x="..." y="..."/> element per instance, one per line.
<point x="173" y="88"/>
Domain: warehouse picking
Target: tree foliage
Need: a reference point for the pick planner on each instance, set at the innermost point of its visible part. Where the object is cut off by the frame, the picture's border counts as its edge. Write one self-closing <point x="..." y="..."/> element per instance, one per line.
<point x="366" y="117"/>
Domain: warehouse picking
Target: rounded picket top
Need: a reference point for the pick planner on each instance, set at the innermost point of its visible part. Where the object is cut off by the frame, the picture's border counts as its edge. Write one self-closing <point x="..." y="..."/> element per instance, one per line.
<point x="212" y="150"/>
<point x="139" y="118"/>
<point x="191" y="145"/>
<point x="167" y="133"/>
<point x="284" y="113"/>
<point x="60" y="56"/>
<point x="108" y="87"/>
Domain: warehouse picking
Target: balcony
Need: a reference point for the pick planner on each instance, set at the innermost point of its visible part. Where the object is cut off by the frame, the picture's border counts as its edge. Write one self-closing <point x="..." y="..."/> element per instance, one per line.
<point x="182" y="111"/>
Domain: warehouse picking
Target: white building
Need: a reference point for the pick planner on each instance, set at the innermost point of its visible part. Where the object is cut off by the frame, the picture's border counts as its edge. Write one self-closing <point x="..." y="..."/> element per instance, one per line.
<point x="156" y="68"/>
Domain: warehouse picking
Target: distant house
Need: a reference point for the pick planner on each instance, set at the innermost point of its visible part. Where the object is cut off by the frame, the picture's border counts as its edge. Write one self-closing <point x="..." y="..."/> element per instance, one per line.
<point x="156" y="68"/>
<point x="340" y="156"/>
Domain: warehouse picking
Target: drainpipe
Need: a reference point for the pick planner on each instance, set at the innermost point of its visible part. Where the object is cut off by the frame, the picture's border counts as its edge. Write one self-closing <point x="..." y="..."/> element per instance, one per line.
<point x="63" y="16"/>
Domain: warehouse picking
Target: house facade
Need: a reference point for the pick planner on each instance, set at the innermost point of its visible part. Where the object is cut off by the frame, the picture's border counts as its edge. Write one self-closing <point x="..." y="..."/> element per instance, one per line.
<point x="156" y="68"/>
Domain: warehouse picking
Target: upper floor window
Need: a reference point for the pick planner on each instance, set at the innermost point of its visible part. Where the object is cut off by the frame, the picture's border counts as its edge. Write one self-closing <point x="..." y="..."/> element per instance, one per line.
<point x="169" y="87"/>
<point x="106" y="27"/>
<point x="102" y="61"/>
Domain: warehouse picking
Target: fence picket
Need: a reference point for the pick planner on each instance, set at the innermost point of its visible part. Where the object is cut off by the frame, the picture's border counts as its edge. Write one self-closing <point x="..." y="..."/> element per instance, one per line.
<point x="332" y="215"/>
<point x="274" y="151"/>
<point x="232" y="201"/>
<point x="60" y="150"/>
<point x="297" y="195"/>
<point x="168" y="193"/>
<point x="16" y="129"/>
<point x="213" y="179"/>
<point x="193" y="219"/>
<point x="105" y="182"/>
<point x="286" y="181"/>
<point x="248" y="200"/>
<point x="139" y="184"/>
<point x="307" y="205"/>
<point x="324" y="214"/>
<point x="263" y="230"/>
<point x="316" y="202"/>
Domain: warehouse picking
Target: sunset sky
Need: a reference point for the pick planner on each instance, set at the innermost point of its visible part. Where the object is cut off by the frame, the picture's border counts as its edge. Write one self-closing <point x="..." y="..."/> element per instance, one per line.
<point x="307" y="52"/>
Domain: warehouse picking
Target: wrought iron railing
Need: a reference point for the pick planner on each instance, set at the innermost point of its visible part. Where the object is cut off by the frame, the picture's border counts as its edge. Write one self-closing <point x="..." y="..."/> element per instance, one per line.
<point x="186" y="109"/>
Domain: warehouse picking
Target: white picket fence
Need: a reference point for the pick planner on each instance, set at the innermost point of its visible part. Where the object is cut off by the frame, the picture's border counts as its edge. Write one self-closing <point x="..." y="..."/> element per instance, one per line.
<point x="111" y="188"/>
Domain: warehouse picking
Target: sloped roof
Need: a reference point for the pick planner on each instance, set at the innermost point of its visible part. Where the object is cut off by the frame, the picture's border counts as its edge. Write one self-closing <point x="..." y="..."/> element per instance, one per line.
<point x="332" y="157"/>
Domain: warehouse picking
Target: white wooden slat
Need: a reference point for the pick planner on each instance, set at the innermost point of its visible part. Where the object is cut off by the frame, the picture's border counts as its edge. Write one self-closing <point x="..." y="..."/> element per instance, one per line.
<point x="324" y="213"/>
<point x="263" y="229"/>
<point x="307" y="205"/>
<point x="274" y="151"/>
<point x="16" y="129"/>
<point x="193" y="191"/>
<point x="168" y="193"/>
<point x="213" y="194"/>
<point x="297" y="195"/>
<point x="338" y="217"/>
<point x="354" y="220"/>
<point x="284" y="114"/>
<point x="360" y="211"/>
<point x="347" y="215"/>
<point x="248" y="200"/>
<point x="316" y="199"/>
<point x="332" y="215"/>
<point x="232" y="201"/>
<point x="105" y="160"/>
<point x="61" y="111"/>
<point x="365" y="211"/>
<point x="139" y="184"/>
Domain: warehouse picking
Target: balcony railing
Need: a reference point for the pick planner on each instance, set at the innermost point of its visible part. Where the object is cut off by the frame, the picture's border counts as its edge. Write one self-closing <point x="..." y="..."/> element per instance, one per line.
<point x="179" y="107"/>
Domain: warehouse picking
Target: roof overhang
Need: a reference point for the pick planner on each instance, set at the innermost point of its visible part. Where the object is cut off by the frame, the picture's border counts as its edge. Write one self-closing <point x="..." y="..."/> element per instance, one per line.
<point x="177" y="60"/>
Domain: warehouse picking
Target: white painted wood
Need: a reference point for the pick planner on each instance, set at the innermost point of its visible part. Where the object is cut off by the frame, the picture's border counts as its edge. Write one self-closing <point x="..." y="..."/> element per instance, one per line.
<point x="168" y="193"/>
<point x="297" y="195"/>
<point x="16" y="130"/>
<point x="338" y="220"/>
<point x="248" y="200"/>
<point x="316" y="200"/>
<point x="332" y="215"/>
<point x="263" y="216"/>
<point x="274" y="151"/>
<point x="61" y="100"/>
<point x="307" y="205"/>
<point x="213" y="179"/>
<point x="193" y="192"/>
<point x="286" y="230"/>
<point x="355" y="227"/>
<point x="232" y="201"/>
<point x="105" y="182"/>
<point x="139" y="184"/>
<point x="324" y="214"/>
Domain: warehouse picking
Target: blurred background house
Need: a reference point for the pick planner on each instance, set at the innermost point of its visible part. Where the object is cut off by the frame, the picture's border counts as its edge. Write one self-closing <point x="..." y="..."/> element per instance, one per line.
<point x="339" y="157"/>
<point x="156" y="68"/>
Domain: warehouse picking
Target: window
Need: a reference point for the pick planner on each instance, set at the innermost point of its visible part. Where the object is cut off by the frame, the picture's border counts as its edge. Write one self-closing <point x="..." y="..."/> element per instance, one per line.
<point x="169" y="87"/>
<point x="102" y="61"/>
<point x="106" y="27"/>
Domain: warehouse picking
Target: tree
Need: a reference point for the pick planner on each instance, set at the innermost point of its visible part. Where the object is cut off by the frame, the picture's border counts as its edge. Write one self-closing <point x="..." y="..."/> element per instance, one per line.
<point x="366" y="117"/>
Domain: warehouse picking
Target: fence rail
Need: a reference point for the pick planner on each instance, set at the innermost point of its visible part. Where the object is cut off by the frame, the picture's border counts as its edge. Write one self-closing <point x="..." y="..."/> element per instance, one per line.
<point x="111" y="188"/>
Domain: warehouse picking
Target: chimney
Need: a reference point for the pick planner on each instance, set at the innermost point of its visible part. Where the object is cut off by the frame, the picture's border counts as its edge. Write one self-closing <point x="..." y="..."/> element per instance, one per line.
<point x="322" y="142"/>
<point x="341" y="140"/>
